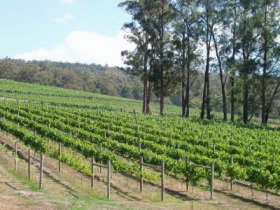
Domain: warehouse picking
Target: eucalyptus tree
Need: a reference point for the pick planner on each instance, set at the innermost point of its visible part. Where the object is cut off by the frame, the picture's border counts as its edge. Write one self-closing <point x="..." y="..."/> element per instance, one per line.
<point x="207" y="22"/>
<point x="185" y="38"/>
<point x="247" y="42"/>
<point x="220" y="36"/>
<point x="231" y="21"/>
<point x="161" y="22"/>
<point x="150" y="31"/>
<point x="140" y="33"/>
<point x="269" y="17"/>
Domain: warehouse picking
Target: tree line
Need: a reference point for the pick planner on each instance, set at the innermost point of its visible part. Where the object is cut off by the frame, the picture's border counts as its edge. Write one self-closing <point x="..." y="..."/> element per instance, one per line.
<point x="91" y="78"/>
<point x="237" y="41"/>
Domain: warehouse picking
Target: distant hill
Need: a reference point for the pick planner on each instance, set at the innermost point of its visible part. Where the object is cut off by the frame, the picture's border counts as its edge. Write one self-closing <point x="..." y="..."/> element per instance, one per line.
<point x="93" y="78"/>
<point x="106" y="80"/>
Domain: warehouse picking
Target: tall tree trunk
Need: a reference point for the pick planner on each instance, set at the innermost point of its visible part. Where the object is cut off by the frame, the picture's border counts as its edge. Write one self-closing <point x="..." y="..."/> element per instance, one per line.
<point x="264" y="73"/>
<point x="202" y="113"/>
<point x="221" y="74"/>
<point x="161" y="105"/>
<point x="183" y="77"/>
<point x="245" y="98"/>
<point x="206" y="90"/>
<point x="149" y="98"/>
<point x="145" y="83"/>
<point x="183" y="103"/>
<point x="161" y="92"/>
<point x="269" y="105"/>
<point x="232" y="73"/>
<point x="232" y="97"/>
<point x="183" y="91"/>
<point x="144" y="94"/>
<point x="208" y="98"/>
<point x="186" y="78"/>
<point x="263" y="97"/>
<point x="224" y="102"/>
<point x="161" y="60"/>
<point x="207" y="80"/>
<point x="187" y="97"/>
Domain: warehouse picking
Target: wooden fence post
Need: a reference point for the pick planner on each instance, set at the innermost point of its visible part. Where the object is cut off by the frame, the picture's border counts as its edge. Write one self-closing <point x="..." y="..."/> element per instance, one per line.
<point x="29" y="164"/>
<point x="162" y="180"/>
<point x="101" y="148"/>
<point x="212" y="180"/>
<point x="16" y="152"/>
<point x="41" y="171"/>
<point x="231" y="178"/>
<point x="141" y="174"/>
<point x="59" y="157"/>
<point x="109" y="180"/>
<point x="187" y="178"/>
<point x="92" y="172"/>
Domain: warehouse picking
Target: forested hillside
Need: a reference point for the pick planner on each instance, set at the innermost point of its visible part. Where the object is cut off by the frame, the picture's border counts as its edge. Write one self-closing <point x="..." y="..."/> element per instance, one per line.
<point x="112" y="81"/>
<point x="92" y="78"/>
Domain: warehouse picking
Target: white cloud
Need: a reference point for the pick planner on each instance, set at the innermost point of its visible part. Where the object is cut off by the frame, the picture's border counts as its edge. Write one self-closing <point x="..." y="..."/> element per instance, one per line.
<point x="64" y="19"/>
<point x="84" y="47"/>
<point x="68" y="1"/>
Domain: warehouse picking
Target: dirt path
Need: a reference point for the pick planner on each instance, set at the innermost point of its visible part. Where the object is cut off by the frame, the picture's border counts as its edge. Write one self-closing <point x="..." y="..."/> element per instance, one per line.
<point x="70" y="189"/>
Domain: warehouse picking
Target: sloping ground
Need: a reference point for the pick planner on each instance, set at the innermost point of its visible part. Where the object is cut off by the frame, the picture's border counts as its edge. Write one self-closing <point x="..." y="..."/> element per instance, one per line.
<point x="71" y="190"/>
<point x="16" y="192"/>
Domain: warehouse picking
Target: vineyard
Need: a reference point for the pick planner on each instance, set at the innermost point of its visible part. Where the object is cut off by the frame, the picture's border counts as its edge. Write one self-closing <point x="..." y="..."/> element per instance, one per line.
<point x="109" y="128"/>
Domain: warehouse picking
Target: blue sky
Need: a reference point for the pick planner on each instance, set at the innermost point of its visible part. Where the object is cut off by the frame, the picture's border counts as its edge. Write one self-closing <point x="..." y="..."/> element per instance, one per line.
<point x="87" y="31"/>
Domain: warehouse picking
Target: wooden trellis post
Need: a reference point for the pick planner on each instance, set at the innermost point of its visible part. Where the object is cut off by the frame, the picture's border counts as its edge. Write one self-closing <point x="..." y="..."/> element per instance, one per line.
<point x="141" y="174"/>
<point x="29" y="164"/>
<point x="109" y="180"/>
<point x="231" y="178"/>
<point x="16" y="152"/>
<point x="160" y="168"/>
<point x="109" y="172"/>
<point x="212" y="180"/>
<point x="41" y="171"/>
<point x="101" y="148"/>
<point x="59" y="157"/>
<point x="187" y="178"/>
<point x="162" y="181"/>
<point x="92" y="172"/>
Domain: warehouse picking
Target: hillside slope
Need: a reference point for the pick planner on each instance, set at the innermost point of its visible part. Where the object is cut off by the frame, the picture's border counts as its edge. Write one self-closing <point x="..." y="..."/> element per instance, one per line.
<point x="111" y="128"/>
<point x="91" y="78"/>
